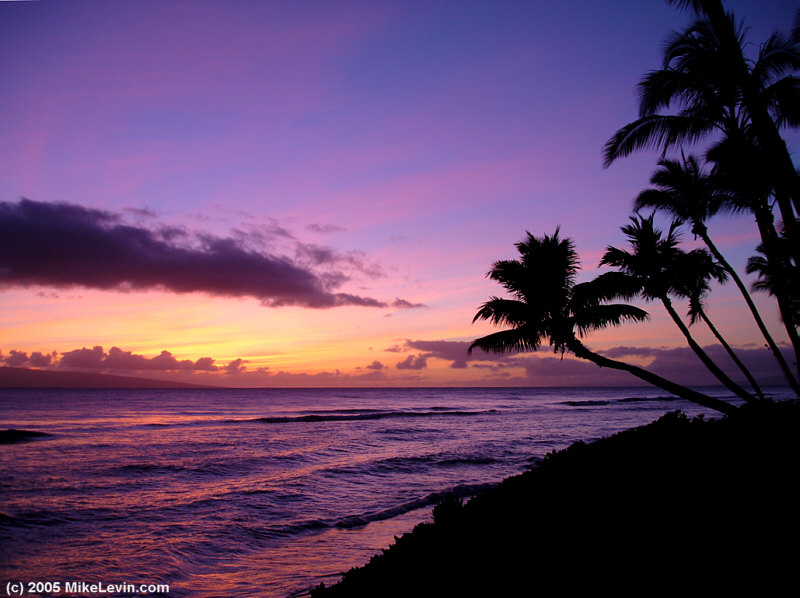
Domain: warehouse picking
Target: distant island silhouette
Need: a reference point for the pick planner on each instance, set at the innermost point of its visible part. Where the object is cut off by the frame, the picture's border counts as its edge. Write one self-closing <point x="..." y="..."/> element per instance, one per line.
<point x="28" y="378"/>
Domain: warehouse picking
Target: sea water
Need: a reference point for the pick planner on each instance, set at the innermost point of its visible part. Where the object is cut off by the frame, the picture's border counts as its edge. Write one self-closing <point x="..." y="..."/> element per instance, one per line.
<point x="264" y="492"/>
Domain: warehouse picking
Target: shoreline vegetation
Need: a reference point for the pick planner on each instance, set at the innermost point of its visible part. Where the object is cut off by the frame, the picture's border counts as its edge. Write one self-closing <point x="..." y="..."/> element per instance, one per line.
<point x="673" y="504"/>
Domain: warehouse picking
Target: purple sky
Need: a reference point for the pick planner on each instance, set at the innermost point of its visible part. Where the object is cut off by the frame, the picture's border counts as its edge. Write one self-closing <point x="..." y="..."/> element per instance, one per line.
<point x="376" y="156"/>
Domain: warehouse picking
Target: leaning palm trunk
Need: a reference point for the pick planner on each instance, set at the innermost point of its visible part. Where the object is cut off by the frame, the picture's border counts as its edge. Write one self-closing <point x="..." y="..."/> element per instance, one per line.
<point x="702" y="231"/>
<point x="756" y="388"/>
<point x="707" y="361"/>
<point x="581" y="351"/>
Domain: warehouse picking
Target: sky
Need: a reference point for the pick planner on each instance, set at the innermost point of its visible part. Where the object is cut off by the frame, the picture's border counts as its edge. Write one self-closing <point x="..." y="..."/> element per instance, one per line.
<point x="311" y="193"/>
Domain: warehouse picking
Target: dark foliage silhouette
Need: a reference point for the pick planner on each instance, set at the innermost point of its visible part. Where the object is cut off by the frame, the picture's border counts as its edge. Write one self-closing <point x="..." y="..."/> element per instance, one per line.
<point x="546" y="305"/>
<point x="684" y="191"/>
<point x="659" y="268"/>
<point x="706" y="86"/>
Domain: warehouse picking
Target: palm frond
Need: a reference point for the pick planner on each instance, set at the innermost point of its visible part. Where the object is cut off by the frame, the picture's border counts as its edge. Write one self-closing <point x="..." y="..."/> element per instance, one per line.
<point x="759" y="264"/>
<point x="683" y="190"/>
<point x="653" y="132"/>
<point x="663" y="201"/>
<point x="513" y="340"/>
<point x="615" y="257"/>
<point x="783" y="100"/>
<point x="608" y="286"/>
<point x="504" y="312"/>
<point x="693" y="50"/>
<point x="703" y="266"/>
<point x="510" y="274"/>
<point x="777" y="57"/>
<point x="602" y="316"/>
<point x="694" y="5"/>
<point x="660" y="88"/>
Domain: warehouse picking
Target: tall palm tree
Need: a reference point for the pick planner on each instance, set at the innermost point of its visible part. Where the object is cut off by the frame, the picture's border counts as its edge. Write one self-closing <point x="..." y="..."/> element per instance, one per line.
<point x="707" y="85"/>
<point x="696" y="270"/>
<point x="655" y="264"/>
<point x="769" y="97"/>
<point x="684" y="191"/>
<point x="547" y="305"/>
<point x="707" y="75"/>
<point x="742" y="169"/>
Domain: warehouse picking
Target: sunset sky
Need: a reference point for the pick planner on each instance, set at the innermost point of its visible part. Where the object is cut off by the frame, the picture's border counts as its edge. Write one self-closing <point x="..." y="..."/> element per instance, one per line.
<point x="311" y="193"/>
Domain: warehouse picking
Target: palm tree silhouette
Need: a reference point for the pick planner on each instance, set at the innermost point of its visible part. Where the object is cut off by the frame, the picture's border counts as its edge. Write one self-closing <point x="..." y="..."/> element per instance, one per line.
<point x="742" y="168"/>
<point x="742" y="171"/>
<point x="547" y="305"/>
<point x="657" y="266"/>
<point x="768" y="95"/>
<point x="696" y="270"/>
<point x="710" y="86"/>
<point x="684" y="191"/>
<point x="772" y="280"/>
<point x="706" y="73"/>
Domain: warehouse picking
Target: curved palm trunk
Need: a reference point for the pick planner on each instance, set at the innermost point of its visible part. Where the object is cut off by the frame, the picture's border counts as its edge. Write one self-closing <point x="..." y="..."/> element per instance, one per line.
<point x="707" y="361"/>
<point x="756" y="388"/>
<point x="581" y="351"/>
<point x="702" y="231"/>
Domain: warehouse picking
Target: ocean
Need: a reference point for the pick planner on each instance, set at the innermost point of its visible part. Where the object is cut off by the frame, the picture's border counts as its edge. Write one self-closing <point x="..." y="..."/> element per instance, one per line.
<point x="262" y="492"/>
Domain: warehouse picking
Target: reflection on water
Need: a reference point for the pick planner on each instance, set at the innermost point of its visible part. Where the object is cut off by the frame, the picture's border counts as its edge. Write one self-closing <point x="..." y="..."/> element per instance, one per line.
<point x="261" y="492"/>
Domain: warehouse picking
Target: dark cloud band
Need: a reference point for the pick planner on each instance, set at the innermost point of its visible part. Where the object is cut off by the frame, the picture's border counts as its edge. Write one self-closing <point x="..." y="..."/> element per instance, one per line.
<point x="63" y="245"/>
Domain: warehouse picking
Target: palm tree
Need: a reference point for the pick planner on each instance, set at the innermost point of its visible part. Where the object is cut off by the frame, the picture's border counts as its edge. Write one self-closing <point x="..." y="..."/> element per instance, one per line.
<point x="655" y="264"/>
<point x="706" y="85"/>
<point x="740" y="169"/>
<point x="684" y="191"/>
<point x="696" y="270"/>
<point x="547" y="305"/>
<point x="705" y="72"/>
<point x="769" y="97"/>
<point x="710" y="86"/>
